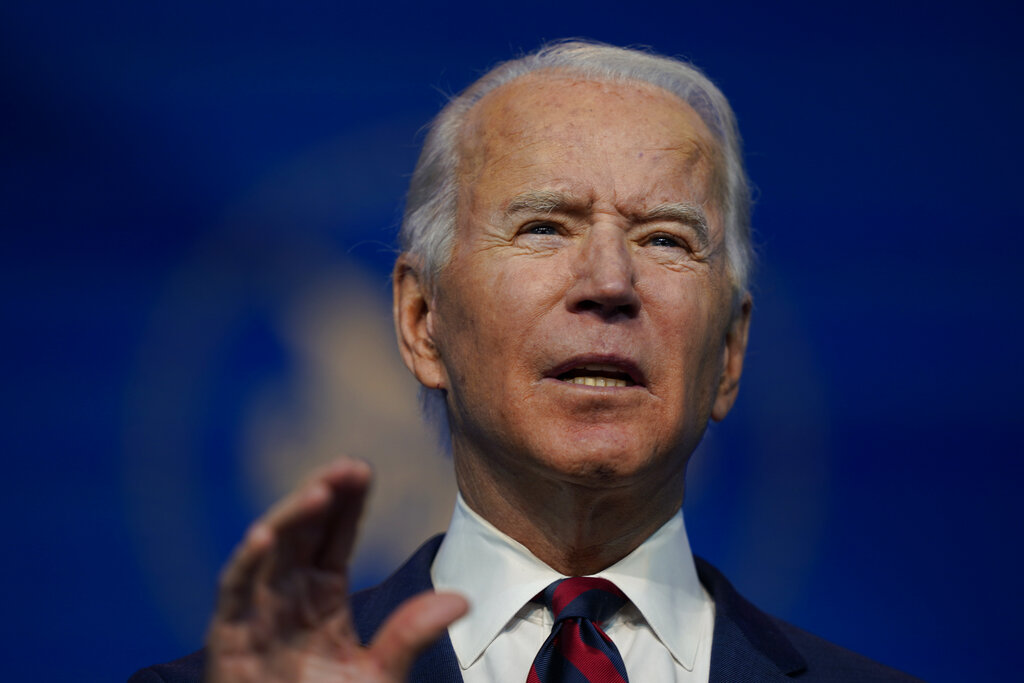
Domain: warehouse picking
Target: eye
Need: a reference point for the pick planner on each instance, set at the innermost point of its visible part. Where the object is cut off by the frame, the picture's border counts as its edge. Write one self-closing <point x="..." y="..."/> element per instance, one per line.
<point x="663" y="240"/>
<point x="540" y="229"/>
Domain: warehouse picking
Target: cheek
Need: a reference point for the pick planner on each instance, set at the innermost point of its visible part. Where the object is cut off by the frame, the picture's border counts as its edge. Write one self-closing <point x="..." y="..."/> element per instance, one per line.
<point x="493" y="321"/>
<point x="512" y="293"/>
<point x="474" y="321"/>
<point x="689" y="342"/>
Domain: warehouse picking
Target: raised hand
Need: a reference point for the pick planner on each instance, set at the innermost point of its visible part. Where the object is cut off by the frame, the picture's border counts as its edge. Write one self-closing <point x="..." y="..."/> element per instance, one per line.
<point x="283" y="612"/>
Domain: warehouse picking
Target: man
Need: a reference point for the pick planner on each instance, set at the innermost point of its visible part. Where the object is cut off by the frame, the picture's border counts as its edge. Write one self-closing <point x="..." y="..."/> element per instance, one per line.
<point x="573" y="288"/>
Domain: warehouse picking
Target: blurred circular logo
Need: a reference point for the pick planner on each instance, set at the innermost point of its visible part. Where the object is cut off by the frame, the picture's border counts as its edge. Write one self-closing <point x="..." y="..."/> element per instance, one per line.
<point x="270" y="352"/>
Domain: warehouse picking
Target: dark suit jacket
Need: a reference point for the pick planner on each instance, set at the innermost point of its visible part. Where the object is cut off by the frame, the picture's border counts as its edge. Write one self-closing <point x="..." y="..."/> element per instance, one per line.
<point x="748" y="645"/>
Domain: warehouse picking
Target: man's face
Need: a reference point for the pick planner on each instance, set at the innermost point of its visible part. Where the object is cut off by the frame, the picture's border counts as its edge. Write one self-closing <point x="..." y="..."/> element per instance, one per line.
<point x="584" y="326"/>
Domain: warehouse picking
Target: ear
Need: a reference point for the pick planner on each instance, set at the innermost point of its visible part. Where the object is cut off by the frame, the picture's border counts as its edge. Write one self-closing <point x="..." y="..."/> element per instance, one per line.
<point x="732" y="360"/>
<point x="412" y="308"/>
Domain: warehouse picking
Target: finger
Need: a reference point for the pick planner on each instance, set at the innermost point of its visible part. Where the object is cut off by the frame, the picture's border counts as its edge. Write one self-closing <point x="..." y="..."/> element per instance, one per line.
<point x="238" y="578"/>
<point x="293" y="532"/>
<point x="340" y="473"/>
<point x="297" y="523"/>
<point x="342" y="519"/>
<point x="416" y="624"/>
<point x="306" y="521"/>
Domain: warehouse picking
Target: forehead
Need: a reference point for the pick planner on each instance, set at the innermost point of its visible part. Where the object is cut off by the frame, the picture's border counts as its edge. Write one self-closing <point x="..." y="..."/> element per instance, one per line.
<point x="557" y="129"/>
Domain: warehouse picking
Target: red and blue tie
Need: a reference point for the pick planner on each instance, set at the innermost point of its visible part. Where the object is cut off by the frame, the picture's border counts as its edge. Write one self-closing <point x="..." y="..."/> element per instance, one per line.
<point x="578" y="651"/>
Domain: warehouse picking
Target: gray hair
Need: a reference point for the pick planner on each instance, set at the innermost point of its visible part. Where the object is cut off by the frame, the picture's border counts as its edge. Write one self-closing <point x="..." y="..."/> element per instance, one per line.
<point x="428" y="226"/>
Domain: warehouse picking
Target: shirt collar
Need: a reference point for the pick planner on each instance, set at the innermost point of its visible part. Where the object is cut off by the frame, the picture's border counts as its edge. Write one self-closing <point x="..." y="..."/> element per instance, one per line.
<point x="499" y="576"/>
<point x="661" y="581"/>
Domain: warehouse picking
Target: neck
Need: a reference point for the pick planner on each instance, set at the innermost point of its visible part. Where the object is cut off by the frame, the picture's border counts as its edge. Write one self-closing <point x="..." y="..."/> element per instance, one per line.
<point x="576" y="528"/>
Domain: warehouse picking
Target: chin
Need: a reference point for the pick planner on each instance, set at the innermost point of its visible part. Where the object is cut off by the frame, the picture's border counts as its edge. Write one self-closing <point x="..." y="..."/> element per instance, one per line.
<point x="600" y="455"/>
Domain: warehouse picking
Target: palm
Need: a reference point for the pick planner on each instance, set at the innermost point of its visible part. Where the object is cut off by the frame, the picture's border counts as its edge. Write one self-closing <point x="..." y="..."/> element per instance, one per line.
<point x="283" y="612"/>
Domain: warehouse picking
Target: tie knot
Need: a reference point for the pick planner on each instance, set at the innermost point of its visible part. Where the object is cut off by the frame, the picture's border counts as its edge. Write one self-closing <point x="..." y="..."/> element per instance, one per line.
<point x="583" y="597"/>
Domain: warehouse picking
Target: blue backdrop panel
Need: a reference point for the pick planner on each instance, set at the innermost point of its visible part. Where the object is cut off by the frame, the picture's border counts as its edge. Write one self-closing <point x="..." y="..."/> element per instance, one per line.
<point x="199" y="202"/>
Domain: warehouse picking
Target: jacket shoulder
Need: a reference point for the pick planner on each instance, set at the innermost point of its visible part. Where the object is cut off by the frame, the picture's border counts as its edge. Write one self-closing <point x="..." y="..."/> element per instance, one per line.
<point x="827" y="661"/>
<point x="750" y="645"/>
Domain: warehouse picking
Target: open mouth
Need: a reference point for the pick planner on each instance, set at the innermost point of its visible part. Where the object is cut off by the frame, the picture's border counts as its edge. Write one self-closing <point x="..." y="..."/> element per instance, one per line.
<point x="597" y="375"/>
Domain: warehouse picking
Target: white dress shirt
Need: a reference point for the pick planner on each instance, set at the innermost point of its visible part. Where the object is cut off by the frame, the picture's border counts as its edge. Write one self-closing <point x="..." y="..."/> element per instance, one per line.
<point x="663" y="632"/>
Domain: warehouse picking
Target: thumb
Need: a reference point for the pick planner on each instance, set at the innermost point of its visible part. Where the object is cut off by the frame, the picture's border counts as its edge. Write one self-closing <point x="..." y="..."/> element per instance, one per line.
<point x="414" y="626"/>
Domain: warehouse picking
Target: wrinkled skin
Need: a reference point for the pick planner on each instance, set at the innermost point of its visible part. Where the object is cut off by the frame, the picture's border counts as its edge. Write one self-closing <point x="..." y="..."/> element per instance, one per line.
<point x="588" y="234"/>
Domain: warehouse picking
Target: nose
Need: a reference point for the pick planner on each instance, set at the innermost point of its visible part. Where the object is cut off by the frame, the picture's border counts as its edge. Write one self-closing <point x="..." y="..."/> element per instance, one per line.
<point x="604" y="275"/>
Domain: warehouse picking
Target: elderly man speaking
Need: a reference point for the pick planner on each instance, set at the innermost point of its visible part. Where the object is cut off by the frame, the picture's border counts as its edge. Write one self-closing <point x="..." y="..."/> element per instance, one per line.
<point x="573" y="293"/>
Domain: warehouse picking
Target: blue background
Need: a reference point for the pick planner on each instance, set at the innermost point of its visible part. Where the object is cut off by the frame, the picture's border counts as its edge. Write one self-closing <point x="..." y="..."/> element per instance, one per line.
<point x="866" y="486"/>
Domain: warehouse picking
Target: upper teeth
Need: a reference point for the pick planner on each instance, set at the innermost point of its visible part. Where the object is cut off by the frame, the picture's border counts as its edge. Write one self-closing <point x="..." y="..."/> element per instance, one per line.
<point x="597" y="381"/>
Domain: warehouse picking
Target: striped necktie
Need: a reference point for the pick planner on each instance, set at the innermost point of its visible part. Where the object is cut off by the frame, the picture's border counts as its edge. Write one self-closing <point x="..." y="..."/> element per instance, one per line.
<point x="578" y="651"/>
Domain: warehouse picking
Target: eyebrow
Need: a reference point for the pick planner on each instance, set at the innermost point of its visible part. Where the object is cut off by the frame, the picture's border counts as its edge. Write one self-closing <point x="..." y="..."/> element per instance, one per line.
<point x="544" y="201"/>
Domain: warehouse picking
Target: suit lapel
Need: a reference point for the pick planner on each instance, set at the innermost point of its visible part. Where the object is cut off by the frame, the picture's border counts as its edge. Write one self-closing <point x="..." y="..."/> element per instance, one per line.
<point x="747" y="645"/>
<point x="371" y="607"/>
